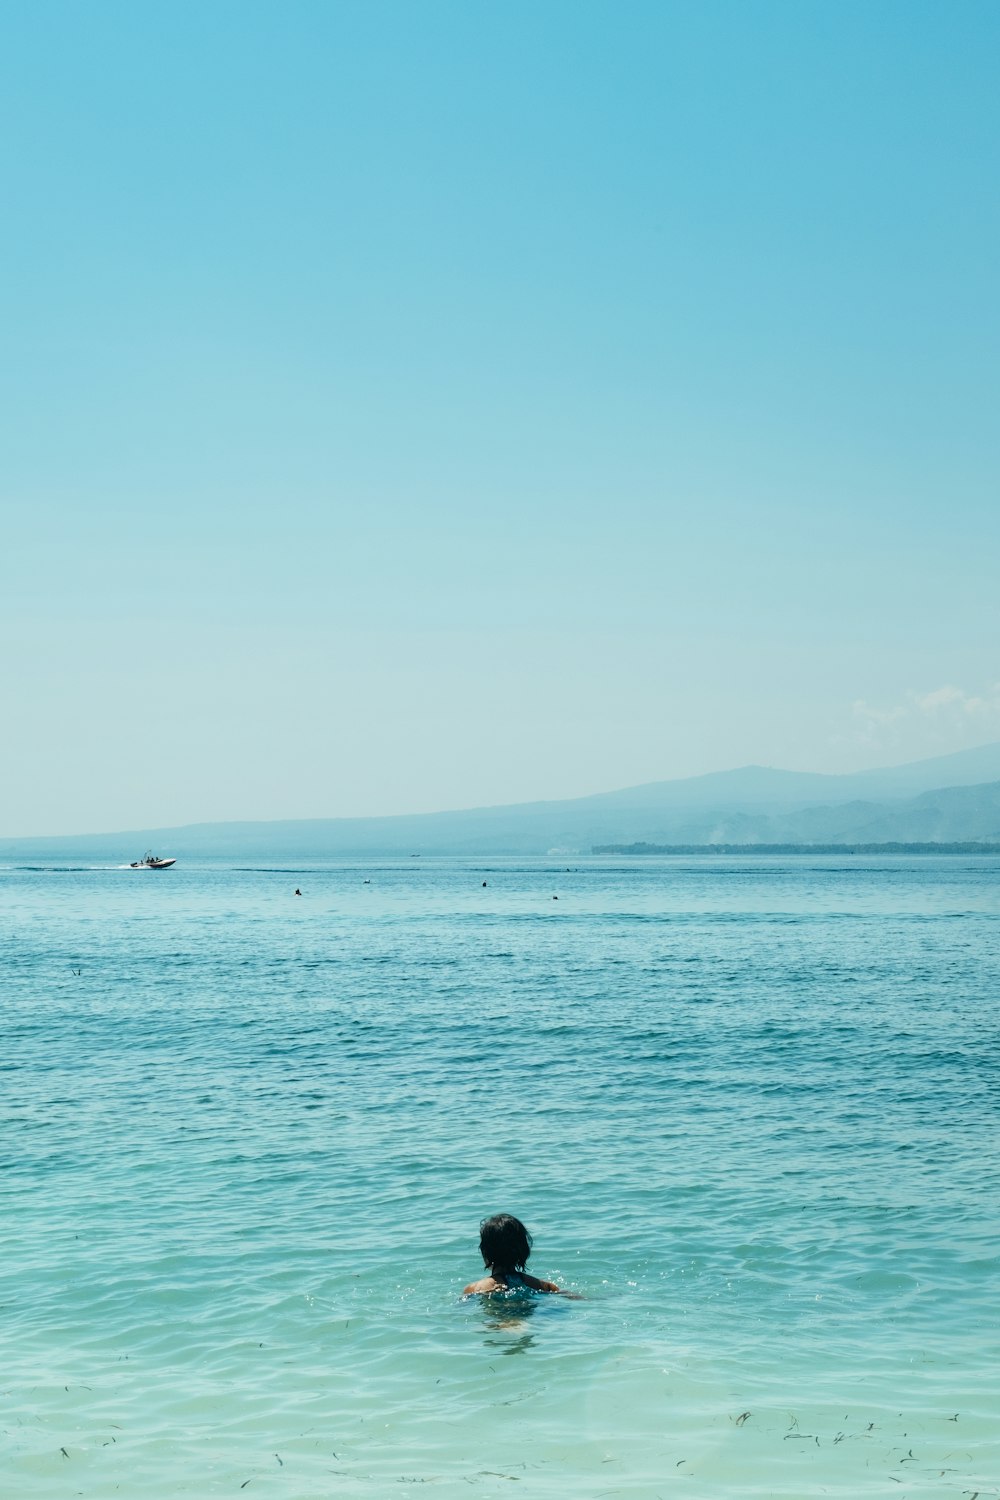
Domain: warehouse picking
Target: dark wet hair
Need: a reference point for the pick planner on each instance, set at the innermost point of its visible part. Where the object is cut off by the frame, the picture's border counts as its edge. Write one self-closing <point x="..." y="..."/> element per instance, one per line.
<point x="504" y="1243"/>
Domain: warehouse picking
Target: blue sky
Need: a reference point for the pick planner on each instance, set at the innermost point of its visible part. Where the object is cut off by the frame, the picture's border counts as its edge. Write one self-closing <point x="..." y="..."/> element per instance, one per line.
<point x="409" y="406"/>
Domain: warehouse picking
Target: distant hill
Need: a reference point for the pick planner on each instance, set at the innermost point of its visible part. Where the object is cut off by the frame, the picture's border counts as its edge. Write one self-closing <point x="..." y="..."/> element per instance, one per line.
<point x="951" y="815"/>
<point x="953" y="798"/>
<point x="766" y="789"/>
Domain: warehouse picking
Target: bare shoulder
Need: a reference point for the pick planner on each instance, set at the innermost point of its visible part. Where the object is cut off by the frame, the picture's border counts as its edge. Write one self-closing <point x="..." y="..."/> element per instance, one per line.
<point x="488" y="1284"/>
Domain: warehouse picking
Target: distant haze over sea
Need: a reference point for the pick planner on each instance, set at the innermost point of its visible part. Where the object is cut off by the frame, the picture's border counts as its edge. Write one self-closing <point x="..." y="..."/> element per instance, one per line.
<point x="952" y="798"/>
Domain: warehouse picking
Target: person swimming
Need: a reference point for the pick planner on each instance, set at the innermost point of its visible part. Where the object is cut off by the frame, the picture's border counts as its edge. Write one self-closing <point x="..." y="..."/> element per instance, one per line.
<point x="505" y="1245"/>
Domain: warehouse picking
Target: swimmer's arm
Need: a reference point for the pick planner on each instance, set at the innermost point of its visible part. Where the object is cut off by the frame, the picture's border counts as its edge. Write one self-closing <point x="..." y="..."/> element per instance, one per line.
<point x="550" y="1286"/>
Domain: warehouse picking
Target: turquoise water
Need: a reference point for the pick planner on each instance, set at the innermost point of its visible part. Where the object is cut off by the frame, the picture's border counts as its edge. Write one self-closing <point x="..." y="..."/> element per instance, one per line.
<point x="748" y="1108"/>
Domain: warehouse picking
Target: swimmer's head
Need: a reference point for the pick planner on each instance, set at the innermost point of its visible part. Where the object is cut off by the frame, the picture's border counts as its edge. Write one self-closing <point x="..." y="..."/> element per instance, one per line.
<point x="504" y="1243"/>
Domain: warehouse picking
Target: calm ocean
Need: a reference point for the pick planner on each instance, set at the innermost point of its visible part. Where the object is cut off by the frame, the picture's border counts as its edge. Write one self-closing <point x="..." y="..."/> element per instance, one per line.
<point x="748" y="1107"/>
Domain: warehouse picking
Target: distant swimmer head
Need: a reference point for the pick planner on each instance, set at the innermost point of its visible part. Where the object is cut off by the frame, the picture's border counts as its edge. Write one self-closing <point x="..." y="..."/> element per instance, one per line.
<point x="504" y="1243"/>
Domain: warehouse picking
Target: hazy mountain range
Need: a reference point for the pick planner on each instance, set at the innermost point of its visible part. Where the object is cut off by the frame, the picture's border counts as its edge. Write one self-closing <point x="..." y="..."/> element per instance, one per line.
<point x="949" y="799"/>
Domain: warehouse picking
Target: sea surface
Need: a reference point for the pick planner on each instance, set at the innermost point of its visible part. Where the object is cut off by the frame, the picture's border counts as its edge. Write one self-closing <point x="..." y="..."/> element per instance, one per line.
<point x="748" y="1107"/>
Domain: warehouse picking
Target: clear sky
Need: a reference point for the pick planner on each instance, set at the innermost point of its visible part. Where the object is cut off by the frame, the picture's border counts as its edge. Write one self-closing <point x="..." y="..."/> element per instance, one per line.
<point x="421" y="405"/>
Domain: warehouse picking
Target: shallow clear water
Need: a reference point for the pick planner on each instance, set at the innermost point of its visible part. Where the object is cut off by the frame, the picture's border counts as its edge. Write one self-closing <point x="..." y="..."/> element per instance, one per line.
<point x="748" y="1107"/>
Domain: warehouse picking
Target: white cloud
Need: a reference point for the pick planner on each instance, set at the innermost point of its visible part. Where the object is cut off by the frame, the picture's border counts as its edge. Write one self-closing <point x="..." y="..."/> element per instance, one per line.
<point x="955" y="697"/>
<point x="928" y="717"/>
<point x="941" y="697"/>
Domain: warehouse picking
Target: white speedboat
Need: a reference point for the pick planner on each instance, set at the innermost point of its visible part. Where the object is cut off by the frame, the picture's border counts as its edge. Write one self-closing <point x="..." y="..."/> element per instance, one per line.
<point x="151" y="862"/>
